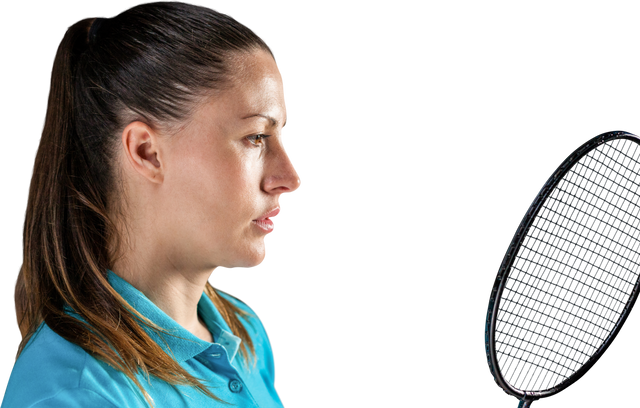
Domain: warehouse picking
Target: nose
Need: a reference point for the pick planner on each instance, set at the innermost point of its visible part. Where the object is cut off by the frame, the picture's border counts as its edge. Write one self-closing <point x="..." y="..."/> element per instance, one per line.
<point x="281" y="177"/>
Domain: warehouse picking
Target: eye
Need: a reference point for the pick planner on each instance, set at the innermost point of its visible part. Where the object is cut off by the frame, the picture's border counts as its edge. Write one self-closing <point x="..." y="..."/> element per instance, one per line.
<point x="257" y="140"/>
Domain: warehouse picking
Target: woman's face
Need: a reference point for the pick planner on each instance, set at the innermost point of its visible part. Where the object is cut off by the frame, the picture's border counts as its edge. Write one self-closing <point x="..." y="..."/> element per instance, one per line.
<point x="225" y="170"/>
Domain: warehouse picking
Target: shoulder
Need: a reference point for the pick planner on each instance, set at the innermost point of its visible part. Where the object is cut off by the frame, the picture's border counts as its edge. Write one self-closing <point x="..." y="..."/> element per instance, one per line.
<point x="52" y="371"/>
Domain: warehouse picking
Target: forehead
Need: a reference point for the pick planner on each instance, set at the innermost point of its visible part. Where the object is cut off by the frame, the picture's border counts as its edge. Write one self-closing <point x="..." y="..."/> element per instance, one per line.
<point x="255" y="88"/>
<point x="256" y="84"/>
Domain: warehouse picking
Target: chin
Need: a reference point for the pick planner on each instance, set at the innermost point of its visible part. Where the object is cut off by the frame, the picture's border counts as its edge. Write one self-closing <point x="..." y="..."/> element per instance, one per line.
<point x="256" y="266"/>
<point x="251" y="257"/>
<point x="249" y="264"/>
<point x="244" y="268"/>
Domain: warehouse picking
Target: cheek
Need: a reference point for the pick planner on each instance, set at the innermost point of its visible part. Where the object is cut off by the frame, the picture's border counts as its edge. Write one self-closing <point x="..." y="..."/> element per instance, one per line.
<point x="231" y="179"/>
<point x="236" y="184"/>
<point x="222" y="189"/>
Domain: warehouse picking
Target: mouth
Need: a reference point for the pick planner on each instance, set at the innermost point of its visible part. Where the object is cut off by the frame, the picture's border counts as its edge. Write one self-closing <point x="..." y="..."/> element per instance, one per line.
<point x="267" y="221"/>
<point x="267" y="225"/>
<point x="271" y="215"/>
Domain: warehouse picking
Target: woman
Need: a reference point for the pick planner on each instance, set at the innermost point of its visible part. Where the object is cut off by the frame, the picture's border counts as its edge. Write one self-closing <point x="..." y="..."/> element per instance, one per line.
<point x="160" y="160"/>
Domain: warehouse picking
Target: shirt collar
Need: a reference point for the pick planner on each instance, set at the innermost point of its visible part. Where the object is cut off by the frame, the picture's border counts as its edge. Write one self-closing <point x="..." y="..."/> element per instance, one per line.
<point x="178" y="342"/>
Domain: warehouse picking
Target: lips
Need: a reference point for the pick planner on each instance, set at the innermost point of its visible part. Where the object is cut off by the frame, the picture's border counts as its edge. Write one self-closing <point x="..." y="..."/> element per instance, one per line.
<point x="271" y="215"/>
<point x="266" y="222"/>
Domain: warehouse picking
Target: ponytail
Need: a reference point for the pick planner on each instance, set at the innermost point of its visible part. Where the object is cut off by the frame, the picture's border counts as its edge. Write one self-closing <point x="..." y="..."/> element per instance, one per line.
<point x="44" y="233"/>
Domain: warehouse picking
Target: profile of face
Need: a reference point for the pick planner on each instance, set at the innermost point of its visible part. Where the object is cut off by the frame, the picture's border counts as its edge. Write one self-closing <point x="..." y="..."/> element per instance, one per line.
<point x="211" y="188"/>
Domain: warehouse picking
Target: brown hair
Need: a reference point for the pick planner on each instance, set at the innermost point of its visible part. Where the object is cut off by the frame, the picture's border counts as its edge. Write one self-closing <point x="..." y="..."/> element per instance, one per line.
<point x="150" y="63"/>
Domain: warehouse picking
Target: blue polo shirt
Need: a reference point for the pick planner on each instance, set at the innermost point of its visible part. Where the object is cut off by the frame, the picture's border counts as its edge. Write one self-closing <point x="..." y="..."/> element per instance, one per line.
<point x="53" y="372"/>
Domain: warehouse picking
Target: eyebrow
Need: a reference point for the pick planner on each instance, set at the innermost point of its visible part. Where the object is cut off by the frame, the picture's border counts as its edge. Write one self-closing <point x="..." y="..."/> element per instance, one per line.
<point x="274" y="122"/>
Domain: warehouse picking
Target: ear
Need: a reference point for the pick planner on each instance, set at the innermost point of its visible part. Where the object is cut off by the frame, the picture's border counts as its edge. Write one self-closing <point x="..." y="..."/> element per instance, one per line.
<point x="141" y="147"/>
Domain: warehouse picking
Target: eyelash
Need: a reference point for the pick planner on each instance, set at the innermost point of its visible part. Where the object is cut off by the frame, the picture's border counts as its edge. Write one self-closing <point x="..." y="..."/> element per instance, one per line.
<point x="257" y="140"/>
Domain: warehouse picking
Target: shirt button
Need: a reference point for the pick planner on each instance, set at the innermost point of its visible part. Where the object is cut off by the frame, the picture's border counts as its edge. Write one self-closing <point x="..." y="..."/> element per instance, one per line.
<point x="235" y="386"/>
